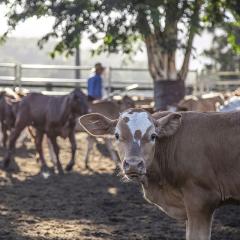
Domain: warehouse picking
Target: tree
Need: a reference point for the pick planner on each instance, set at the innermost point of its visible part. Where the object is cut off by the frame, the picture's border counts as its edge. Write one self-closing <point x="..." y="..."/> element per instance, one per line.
<point x="163" y="25"/>
<point x="223" y="56"/>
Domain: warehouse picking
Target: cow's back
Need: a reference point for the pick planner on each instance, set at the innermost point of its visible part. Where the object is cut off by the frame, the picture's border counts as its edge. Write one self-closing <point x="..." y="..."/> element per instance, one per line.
<point x="107" y="108"/>
<point x="206" y="150"/>
<point x="48" y="113"/>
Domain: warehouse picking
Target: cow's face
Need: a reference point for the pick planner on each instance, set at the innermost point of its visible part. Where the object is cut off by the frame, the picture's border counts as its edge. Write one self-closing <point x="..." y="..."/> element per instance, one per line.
<point x="79" y="102"/>
<point x="137" y="132"/>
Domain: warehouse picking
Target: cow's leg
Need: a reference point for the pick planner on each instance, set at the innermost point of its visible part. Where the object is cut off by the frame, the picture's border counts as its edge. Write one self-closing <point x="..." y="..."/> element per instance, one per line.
<point x="90" y="142"/>
<point x="38" y="143"/>
<point x="200" y="207"/>
<point x="23" y="137"/>
<point x="72" y="140"/>
<point x="5" y="136"/>
<point x="12" y="141"/>
<point x="56" y="150"/>
<point x="51" y="152"/>
<point x="199" y="226"/>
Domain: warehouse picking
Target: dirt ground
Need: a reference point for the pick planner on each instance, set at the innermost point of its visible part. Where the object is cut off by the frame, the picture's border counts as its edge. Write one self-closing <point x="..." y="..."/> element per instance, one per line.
<point x="87" y="204"/>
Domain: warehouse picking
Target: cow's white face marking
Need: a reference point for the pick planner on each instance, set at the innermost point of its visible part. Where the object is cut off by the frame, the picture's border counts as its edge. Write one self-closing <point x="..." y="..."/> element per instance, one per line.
<point x="136" y="134"/>
<point x="137" y="121"/>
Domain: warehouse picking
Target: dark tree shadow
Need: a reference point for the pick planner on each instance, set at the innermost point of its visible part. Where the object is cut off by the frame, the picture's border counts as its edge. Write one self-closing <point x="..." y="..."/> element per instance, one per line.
<point x="101" y="199"/>
<point x="22" y="152"/>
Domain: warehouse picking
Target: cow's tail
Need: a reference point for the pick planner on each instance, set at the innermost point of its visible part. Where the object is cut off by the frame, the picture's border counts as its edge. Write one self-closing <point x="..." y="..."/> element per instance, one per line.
<point x="31" y="132"/>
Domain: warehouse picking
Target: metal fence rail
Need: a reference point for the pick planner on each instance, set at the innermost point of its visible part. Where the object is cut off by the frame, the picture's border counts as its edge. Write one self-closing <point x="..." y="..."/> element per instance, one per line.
<point x="219" y="81"/>
<point x="62" y="77"/>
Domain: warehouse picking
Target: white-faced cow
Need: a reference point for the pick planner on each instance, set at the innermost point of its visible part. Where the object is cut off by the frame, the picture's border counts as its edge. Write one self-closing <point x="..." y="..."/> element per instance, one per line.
<point x="188" y="163"/>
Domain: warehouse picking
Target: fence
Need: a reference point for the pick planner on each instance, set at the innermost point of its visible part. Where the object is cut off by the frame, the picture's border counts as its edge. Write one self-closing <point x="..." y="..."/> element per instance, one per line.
<point x="62" y="78"/>
<point x="219" y="81"/>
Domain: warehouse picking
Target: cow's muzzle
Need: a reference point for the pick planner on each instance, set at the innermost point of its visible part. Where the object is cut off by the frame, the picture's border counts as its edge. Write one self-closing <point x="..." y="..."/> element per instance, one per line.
<point x="134" y="167"/>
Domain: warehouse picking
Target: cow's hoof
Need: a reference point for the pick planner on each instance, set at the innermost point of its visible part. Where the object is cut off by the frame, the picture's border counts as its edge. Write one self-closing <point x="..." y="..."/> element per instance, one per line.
<point x="11" y="167"/>
<point x="51" y="170"/>
<point x="46" y="172"/>
<point x="69" y="167"/>
<point x="60" y="172"/>
<point x="45" y="175"/>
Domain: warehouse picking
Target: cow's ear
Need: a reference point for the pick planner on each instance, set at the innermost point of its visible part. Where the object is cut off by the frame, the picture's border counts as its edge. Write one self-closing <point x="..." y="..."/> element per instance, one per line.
<point x="168" y="125"/>
<point x="97" y="124"/>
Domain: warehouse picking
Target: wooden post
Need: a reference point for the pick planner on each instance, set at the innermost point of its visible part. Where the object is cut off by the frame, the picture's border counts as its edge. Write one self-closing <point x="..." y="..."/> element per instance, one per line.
<point x="77" y="62"/>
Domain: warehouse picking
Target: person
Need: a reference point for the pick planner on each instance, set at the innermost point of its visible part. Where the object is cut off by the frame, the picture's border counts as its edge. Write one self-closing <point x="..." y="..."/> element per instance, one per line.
<point x="95" y="83"/>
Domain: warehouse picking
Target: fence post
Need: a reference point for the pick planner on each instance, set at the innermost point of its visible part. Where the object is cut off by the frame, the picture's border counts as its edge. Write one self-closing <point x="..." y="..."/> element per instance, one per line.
<point x="109" y="81"/>
<point x="15" y="76"/>
<point x="19" y="75"/>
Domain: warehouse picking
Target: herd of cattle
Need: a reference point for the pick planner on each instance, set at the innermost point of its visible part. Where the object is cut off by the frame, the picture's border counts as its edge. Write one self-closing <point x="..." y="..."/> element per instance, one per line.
<point x="186" y="159"/>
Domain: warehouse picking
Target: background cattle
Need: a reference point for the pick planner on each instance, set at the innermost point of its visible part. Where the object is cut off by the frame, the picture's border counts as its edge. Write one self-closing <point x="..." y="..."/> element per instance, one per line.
<point x="9" y="101"/>
<point x="51" y="115"/>
<point x="205" y="103"/>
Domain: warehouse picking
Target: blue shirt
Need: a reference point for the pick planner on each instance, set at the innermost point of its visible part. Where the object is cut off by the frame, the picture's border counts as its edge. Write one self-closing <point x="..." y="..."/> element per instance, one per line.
<point x="95" y="86"/>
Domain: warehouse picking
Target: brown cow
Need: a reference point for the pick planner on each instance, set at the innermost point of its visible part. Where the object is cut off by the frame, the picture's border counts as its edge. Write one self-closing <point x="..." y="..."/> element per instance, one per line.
<point x="188" y="163"/>
<point x="51" y="115"/>
<point x="206" y="103"/>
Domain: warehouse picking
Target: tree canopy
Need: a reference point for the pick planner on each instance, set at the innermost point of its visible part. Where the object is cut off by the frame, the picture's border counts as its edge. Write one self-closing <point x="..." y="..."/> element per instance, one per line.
<point x="222" y="54"/>
<point x="118" y="25"/>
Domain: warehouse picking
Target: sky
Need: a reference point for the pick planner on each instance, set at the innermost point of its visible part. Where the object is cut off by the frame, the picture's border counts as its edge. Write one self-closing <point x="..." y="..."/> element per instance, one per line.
<point x="36" y="28"/>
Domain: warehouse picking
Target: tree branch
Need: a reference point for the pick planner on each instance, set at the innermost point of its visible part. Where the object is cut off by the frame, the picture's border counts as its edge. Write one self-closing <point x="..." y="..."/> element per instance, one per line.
<point x="192" y="31"/>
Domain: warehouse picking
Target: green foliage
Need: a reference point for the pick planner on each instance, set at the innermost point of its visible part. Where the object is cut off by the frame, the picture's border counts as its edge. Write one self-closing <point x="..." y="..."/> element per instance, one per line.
<point x="222" y="54"/>
<point x="118" y="24"/>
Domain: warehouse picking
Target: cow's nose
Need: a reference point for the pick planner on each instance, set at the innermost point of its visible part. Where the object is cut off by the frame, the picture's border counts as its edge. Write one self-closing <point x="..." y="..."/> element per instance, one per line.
<point x="133" y="165"/>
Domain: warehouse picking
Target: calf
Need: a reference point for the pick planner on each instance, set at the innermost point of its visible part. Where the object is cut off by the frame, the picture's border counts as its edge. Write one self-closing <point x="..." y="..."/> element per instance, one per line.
<point x="51" y="115"/>
<point x="188" y="163"/>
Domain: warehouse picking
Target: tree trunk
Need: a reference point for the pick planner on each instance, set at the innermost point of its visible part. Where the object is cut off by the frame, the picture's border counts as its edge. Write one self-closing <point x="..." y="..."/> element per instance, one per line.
<point x="77" y="62"/>
<point x="168" y="86"/>
<point x="168" y="93"/>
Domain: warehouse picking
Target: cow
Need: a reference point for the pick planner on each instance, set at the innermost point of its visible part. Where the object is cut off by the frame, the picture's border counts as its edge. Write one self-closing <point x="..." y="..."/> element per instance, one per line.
<point x="187" y="162"/>
<point x="205" y="103"/>
<point x="51" y="115"/>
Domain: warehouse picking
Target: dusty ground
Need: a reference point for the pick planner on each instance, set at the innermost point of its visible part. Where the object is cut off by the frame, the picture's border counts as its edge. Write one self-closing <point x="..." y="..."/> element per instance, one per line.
<point x="87" y="205"/>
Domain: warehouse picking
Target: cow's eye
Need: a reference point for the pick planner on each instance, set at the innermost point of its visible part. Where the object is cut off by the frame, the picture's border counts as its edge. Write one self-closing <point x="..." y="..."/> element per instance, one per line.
<point x="117" y="136"/>
<point x="153" y="137"/>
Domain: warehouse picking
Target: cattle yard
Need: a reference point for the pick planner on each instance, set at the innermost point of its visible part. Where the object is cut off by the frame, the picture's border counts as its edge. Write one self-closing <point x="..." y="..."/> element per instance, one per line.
<point x="87" y="204"/>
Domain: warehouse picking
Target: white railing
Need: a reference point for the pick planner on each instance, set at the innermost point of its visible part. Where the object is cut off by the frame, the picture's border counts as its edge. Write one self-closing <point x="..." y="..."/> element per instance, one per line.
<point x="219" y="81"/>
<point x="51" y="77"/>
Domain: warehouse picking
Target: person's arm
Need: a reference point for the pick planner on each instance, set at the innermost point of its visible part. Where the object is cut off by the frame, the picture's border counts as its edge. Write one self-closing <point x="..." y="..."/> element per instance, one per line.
<point x="90" y="87"/>
<point x="101" y="87"/>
